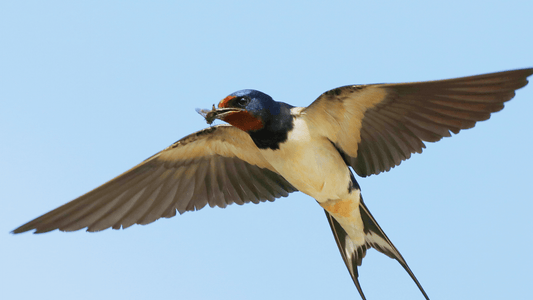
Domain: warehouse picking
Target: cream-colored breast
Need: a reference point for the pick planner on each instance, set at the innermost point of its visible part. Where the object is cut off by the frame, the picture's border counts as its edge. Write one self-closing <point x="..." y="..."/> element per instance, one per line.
<point x="310" y="163"/>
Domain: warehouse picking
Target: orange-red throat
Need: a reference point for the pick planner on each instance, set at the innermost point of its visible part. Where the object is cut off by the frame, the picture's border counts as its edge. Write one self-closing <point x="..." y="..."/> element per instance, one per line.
<point x="241" y="119"/>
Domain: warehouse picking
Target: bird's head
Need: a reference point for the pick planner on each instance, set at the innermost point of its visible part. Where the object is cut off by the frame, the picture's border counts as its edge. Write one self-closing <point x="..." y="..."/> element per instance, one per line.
<point x="248" y="110"/>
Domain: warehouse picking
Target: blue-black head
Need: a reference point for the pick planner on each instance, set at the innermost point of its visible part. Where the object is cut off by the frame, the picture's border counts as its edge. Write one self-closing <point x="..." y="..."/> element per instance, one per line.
<point x="249" y="110"/>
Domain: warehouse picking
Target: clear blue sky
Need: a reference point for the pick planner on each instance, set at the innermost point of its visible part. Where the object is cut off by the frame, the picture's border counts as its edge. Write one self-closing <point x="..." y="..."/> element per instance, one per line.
<point x="89" y="89"/>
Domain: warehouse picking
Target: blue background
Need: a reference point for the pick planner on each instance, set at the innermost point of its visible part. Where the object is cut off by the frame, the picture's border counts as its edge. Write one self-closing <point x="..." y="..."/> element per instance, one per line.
<point x="89" y="89"/>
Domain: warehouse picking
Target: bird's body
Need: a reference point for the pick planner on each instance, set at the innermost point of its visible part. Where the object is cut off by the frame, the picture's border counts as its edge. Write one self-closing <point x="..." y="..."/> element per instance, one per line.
<point x="272" y="149"/>
<point x="310" y="162"/>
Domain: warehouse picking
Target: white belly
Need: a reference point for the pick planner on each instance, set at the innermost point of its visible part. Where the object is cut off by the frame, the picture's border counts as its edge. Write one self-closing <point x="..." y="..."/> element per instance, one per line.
<point x="311" y="164"/>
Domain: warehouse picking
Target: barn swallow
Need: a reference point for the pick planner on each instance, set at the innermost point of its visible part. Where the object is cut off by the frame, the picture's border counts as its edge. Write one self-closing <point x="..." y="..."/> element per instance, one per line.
<point x="271" y="149"/>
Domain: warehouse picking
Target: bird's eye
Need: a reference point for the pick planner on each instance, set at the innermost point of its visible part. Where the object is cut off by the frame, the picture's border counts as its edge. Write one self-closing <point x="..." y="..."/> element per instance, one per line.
<point x="243" y="101"/>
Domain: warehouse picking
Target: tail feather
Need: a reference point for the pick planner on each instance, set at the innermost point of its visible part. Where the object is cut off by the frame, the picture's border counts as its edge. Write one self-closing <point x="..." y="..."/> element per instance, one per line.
<point x="352" y="257"/>
<point x="375" y="237"/>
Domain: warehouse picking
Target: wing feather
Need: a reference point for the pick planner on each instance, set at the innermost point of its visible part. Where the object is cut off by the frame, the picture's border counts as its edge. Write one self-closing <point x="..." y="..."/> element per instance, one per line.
<point x="217" y="166"/>
<point x="378" y="126"/>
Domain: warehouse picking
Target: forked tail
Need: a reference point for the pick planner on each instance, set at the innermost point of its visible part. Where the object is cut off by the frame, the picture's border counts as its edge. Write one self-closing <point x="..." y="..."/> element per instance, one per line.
<point x="353" y="254"/>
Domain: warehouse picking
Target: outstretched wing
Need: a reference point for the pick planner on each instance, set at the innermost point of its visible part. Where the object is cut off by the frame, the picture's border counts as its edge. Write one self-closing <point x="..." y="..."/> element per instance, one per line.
<point x="376" y="127"/>
<point x="218" y="166"/>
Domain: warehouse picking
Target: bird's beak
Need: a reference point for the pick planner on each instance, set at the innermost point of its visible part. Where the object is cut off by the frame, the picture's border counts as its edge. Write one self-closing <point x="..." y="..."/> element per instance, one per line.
<point x="214" y="113"/>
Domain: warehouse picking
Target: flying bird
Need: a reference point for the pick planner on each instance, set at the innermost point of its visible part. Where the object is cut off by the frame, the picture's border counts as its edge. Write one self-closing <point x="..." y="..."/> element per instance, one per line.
<point x="269" y="149"/>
